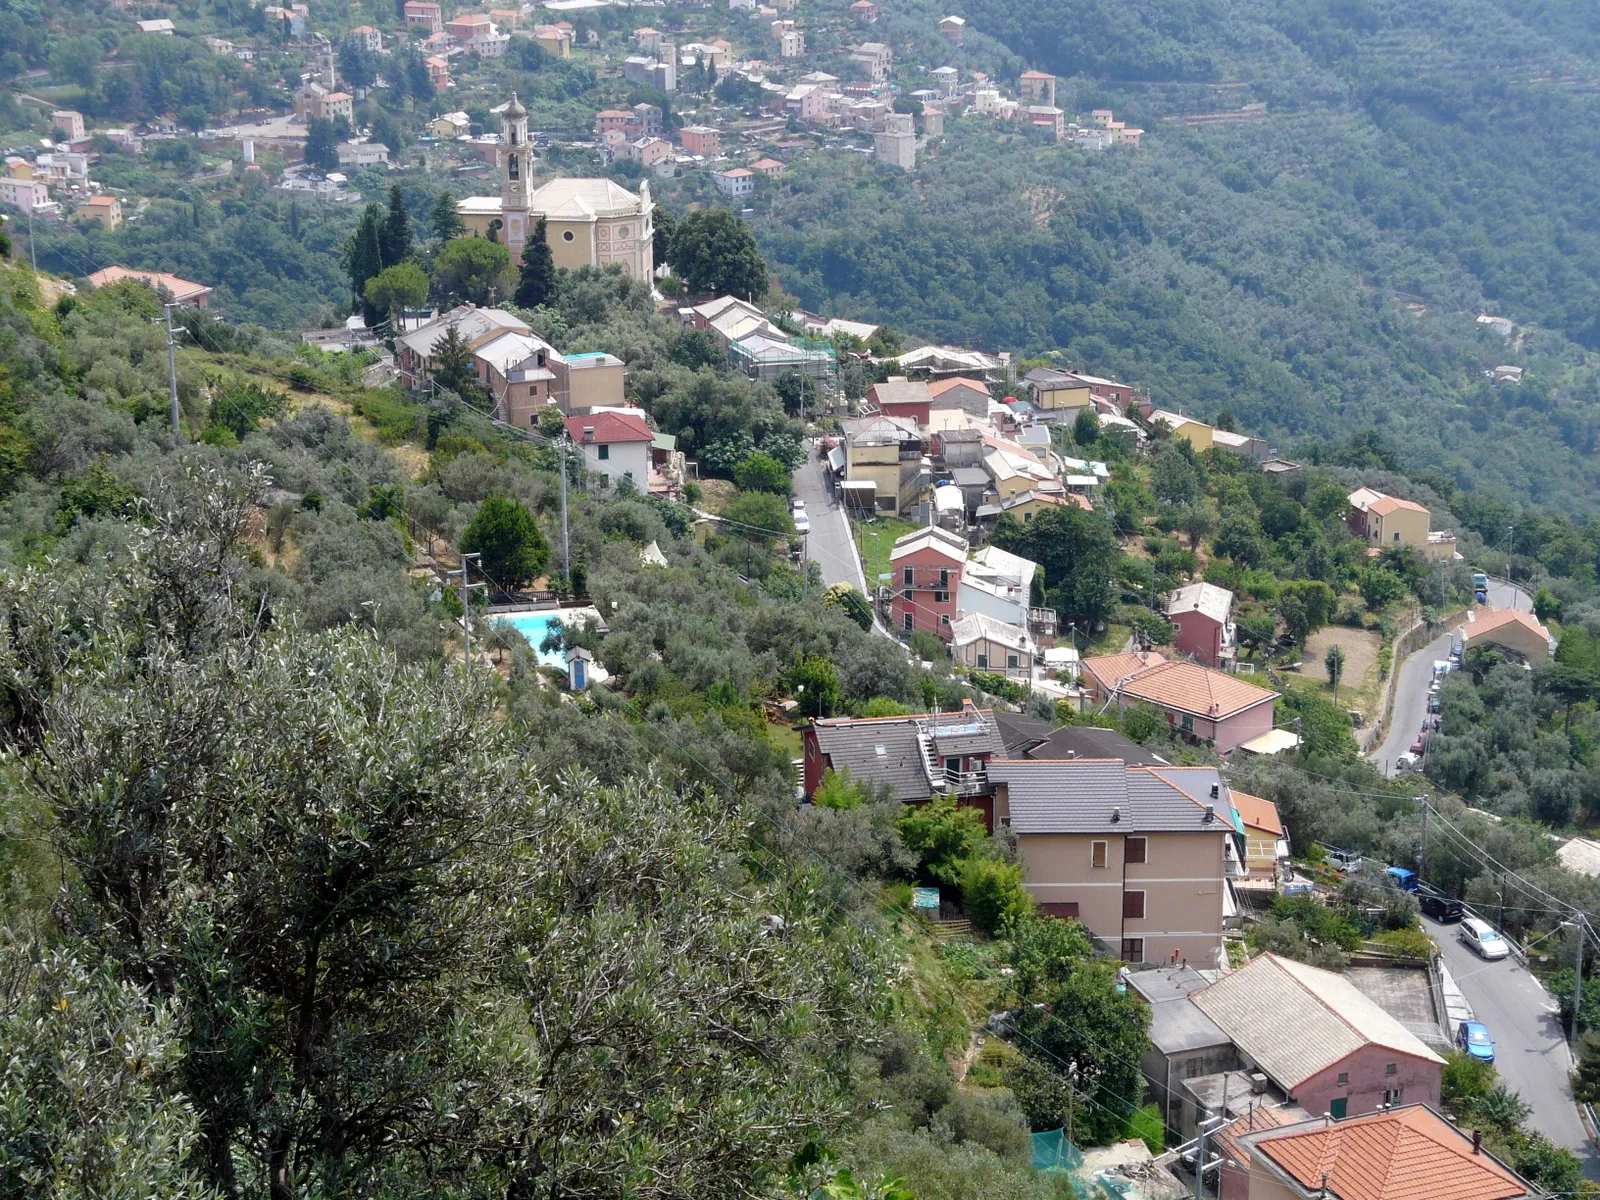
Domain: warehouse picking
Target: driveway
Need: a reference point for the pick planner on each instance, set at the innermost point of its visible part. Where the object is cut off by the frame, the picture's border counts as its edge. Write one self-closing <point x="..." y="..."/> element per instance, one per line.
<point x="1416" y="674"/>
<point x="1530" y="1053"/>
<point x="830" y="544"/>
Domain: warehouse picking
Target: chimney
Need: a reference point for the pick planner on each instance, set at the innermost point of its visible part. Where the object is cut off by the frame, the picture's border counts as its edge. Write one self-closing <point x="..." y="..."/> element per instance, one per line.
<point x="1211" y="813"/>
<point x="1116" y="815"/>
<point x="1477" y="1141"/>
<point x="588" y="433"/>
<point x="1216" y="790"/>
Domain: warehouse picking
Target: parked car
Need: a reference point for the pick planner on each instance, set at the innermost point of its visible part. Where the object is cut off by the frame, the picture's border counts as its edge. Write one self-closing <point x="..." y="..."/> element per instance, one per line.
<point x="802" y="523"/>
<point x="1416" y="746"/>
<point x="797" y="505"/>
<point x="1405" y="880"/>
<point x="1433" y="704"/>
<point x="1404" y="763"/>
<point x="1480" y="936"/>
<point x="1473" y="1037"/>
<point x="1440" y="907"/>
<point x="1343" y="860"/>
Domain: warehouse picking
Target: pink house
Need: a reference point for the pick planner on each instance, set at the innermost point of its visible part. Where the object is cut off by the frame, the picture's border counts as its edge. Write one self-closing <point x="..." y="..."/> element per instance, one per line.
<point x="1319" y="1039"/>
<point x="1200" y="704"/>
<point x="701" y="139"/>
<point x="926" y="566"/>
<point x="899" y="398"/>
<point x="1199" y="617"/>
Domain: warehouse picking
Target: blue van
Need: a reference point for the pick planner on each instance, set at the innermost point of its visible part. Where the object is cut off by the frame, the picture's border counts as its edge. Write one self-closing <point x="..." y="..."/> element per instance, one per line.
<point x="1407" y="880"/>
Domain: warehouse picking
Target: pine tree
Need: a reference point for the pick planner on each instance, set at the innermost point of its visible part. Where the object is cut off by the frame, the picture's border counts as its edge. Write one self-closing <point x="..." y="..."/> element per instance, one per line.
<point x="363" y="256"/>
<point x="444" y="218"/>
<point x="395" y="239"/>
<point x="452" y="364"/>
<point x="538" y="278"/>
<point x="322" y="145"/>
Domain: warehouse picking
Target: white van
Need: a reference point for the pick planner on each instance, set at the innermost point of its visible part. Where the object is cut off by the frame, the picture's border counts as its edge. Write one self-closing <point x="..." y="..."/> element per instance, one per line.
<point x="1483" y="938"/>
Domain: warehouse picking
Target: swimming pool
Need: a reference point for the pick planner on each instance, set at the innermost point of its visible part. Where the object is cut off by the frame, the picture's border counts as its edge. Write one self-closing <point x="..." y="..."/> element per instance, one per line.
<point x="536" y="626"/>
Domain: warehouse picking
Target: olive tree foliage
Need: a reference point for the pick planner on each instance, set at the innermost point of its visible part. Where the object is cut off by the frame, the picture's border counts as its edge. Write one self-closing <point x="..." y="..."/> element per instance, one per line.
<point x="397" y="955"/>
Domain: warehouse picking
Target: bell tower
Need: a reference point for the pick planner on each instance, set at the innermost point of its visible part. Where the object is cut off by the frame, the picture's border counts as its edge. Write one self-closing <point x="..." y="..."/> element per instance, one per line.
<point x="516" y="162"/>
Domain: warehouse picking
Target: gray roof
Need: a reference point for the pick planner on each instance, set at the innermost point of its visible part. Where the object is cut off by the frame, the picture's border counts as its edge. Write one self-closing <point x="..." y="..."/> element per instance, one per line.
<point x="1021" y="733"/>
<point x="902" y="392"/>
<point x="1177" y="1026"/>
<point x="1086" y="741"/>
<point x="970" y="477"/>
<point x="1089" y="795"/>
<point x="966" y="733"/>
<point x="857" y="745"/>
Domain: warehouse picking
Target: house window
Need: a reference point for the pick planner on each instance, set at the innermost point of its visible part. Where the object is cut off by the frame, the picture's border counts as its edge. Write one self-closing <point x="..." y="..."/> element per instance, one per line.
<point x="1097" y="854"/>
<point x="906" y="579"/>
<point x="511" y="167"/>
<point x="941" y="597"/>
<point x="1012" y="662"/>
<point x="1391" y="1069"/>
<point x="1133" y="950"/>
<point x="1188" y="723"/>
<point x="1133" y="906"/>
<point x="567" y="236"/>
<point x="1133" y="850"/>
<point x="1192" y="1067"/>
<point x="1393" y="1095"/>
<point x="605" y="453"/>
<point x="983" y="662"/>
<point x="1397" y="537"/>
<point x="908" y="622"/>
<point x="945" y="620"/>
<point x="1344" y="1079"/>
<point x="944" y="577"/>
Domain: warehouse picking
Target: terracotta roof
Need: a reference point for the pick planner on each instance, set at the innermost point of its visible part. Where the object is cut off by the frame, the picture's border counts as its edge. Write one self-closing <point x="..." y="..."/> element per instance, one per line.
<point x="101" y="200"/>
<point x="944" y="385"/>
<point x="1385" y="505"/>
<point x="1109" y="668"/>
<point x="181" y="289"/>
<point x="1487" y="620"/>
<point x="1037" y="75"/>
<point x="949" y="544"/>
<point x="1406" y="1154"/>
<point x="609" y="427"/>
<point x="1258" y="813"/>
<point x="614" y="112"/>
<point x="1259" y="1119"/>
<point x="1192" y="688"/>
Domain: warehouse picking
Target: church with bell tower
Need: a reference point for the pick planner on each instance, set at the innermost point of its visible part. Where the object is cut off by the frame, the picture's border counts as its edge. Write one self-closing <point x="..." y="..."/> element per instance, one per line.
<point x="588" y="222"/>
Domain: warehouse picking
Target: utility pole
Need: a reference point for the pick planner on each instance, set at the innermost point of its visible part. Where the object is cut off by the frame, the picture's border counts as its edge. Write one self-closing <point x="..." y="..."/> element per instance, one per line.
<point x="566" y="549"/>
<point x="1502" y="925"/>
<point x="467" y="588"/>
<point x="33" y="255"/>
<point x="172" y="375"/>
<point x="1581" y="925"/>
<point x="1422" y="856"/>
<point x="1202" y="1129"/>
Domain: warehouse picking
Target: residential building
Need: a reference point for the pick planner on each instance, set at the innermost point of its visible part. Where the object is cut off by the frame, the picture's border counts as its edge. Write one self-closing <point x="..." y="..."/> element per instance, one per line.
<point x="735" y="183"/>
<point x="1318" y="1039"/>
<point x="647" y="40"/>
<point x="701" y="139"/>
<point x="1027" y="738"/>
<point x="355" y="155"/>
<point x="106" y="211"/>
<point x="160" y="28"/>
<point x="1014" y="470"/>
<point x="608" y="119"/>
<point x="657" y="73"/>
<point x="464" y="27"/>
<point x="882" y="463"/>
<point x="190" y="295"/>
<point x="954" y="28"/>
<point x="1026" y="505"/>
<point x="1408" y="1153"/>
<point x="874" y="58"/>
<point x="1243" y="445"/>
<point x="336" y="105"/>
<point x="1385" y="521"/>
<point x="971" y="396"/>
<point x="1197" y="702"/>
<point x="864" y="11"/>
<point x="1184" y="1044"/>
<point x="414" y="351"/>
<point x="791" y="42"/>
<point x="29" y="195"/>
<point x="518" y="370"/>
<point x="555" y="40"/>
<point x="593" y="379"/>
<point x="1140" y="855"/>
<point x="926" y="567"/>
<point x="997" y="584"/>
<point x="1510" y="629"/>
<point x="770" y="356"/>
<point x="914" y="757"/>
<point x="616" y="445"/>
<point x="769" y="167"/>
<point x="649" y="152"/>
<point x="1056" y="393"/>
<point x="588" y="222"/>
<point x="1266" y="841"/>
<point x="424" y="15"/>
<point x="647" y="119"/>
<point x="1037" y="87"/>
<point x="981" y="643"/>
<point x="896" y="144"/>
<point x="365" y="37"/>
<point x="68" y="123"/>
<point x="506" y="18"/>
<point x="451" y="125"/>
<point x="438" y="71"/>
<point x="899" y="397"/>
<point x="932" y="121"/>
<point x="1198" y="434"/>
<point x="1200" y="615"/>
<point x="1047" y="117"/>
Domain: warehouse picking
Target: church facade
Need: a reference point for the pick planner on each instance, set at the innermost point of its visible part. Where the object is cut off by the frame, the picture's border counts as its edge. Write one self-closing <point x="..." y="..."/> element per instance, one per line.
<point x="588" y="222"/>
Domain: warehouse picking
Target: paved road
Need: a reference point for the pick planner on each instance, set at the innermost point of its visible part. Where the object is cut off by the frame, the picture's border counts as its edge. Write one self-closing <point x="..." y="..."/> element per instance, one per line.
<point x="1530" y="1053"/>
<point x="1416" y="673"/>
<point x="830" y="544"/>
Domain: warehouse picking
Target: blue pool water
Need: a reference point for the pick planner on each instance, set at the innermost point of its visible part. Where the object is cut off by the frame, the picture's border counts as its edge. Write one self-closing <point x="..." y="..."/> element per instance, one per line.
<point x="536" y="627"/>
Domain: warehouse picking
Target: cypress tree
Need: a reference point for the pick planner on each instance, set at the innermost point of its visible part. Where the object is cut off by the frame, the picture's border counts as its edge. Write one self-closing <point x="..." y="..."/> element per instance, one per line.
<point x="447" y="222"/>
<point x="363" y="256"/>
<point x="538" y="278"/>
<point x="395" y="239"/>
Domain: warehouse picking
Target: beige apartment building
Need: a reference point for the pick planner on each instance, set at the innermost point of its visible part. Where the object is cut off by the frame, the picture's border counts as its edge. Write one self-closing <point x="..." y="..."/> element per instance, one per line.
<point x="1141" y="856"/>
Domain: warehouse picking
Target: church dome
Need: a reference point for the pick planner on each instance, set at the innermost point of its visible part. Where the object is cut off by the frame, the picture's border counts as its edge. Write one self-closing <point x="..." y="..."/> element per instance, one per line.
<point x="515" y="109"/>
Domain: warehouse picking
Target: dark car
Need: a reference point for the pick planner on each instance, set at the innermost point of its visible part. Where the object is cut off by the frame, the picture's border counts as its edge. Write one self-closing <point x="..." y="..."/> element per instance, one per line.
<point x="1440" y="907"/>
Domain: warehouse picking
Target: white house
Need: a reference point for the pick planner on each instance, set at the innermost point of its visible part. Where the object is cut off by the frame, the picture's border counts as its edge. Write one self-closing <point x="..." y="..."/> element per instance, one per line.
<point x="363" y="154"/>
<point x="735" y="183"/>
<point x="997" y="584"/>
<point x="981" y="643"/>
<point x="616" y="445"/>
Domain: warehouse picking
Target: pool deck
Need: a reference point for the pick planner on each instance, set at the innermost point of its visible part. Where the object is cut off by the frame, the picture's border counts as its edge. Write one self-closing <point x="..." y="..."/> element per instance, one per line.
<point x="570" y="614"/>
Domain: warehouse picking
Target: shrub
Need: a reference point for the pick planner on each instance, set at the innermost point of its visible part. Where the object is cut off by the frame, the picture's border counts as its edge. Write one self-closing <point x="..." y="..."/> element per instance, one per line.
<point x="1408" y="943"/>
<point x="992" y="892"/>
<point x="762" y="473"/>
<point x="1465" y="1079"/>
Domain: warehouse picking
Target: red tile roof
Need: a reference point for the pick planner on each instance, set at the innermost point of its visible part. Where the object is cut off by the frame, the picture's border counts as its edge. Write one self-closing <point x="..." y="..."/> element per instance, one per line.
<point x="1256" y="812"/>
<point x="609" y="427"/>
<point x="1406" y="1154"/>
<point x="181" y="289"/>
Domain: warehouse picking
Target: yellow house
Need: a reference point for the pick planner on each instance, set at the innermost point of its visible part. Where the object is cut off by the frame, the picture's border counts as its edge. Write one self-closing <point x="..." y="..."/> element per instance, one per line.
<point x="1028" y="505"/>
<point x="106" y="210"/>
<point x="1510" y="629"/>
<point x="1053" y="391"/>
<point x="1197" y="433"/>
<point x="1386" y="521"/>
<point x="553" y="39"/>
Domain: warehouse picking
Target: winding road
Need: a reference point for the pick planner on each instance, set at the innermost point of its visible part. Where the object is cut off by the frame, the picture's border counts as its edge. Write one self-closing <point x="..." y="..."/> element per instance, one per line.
<point x="830" y="544"/>
<point x="1416" y="674"/>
